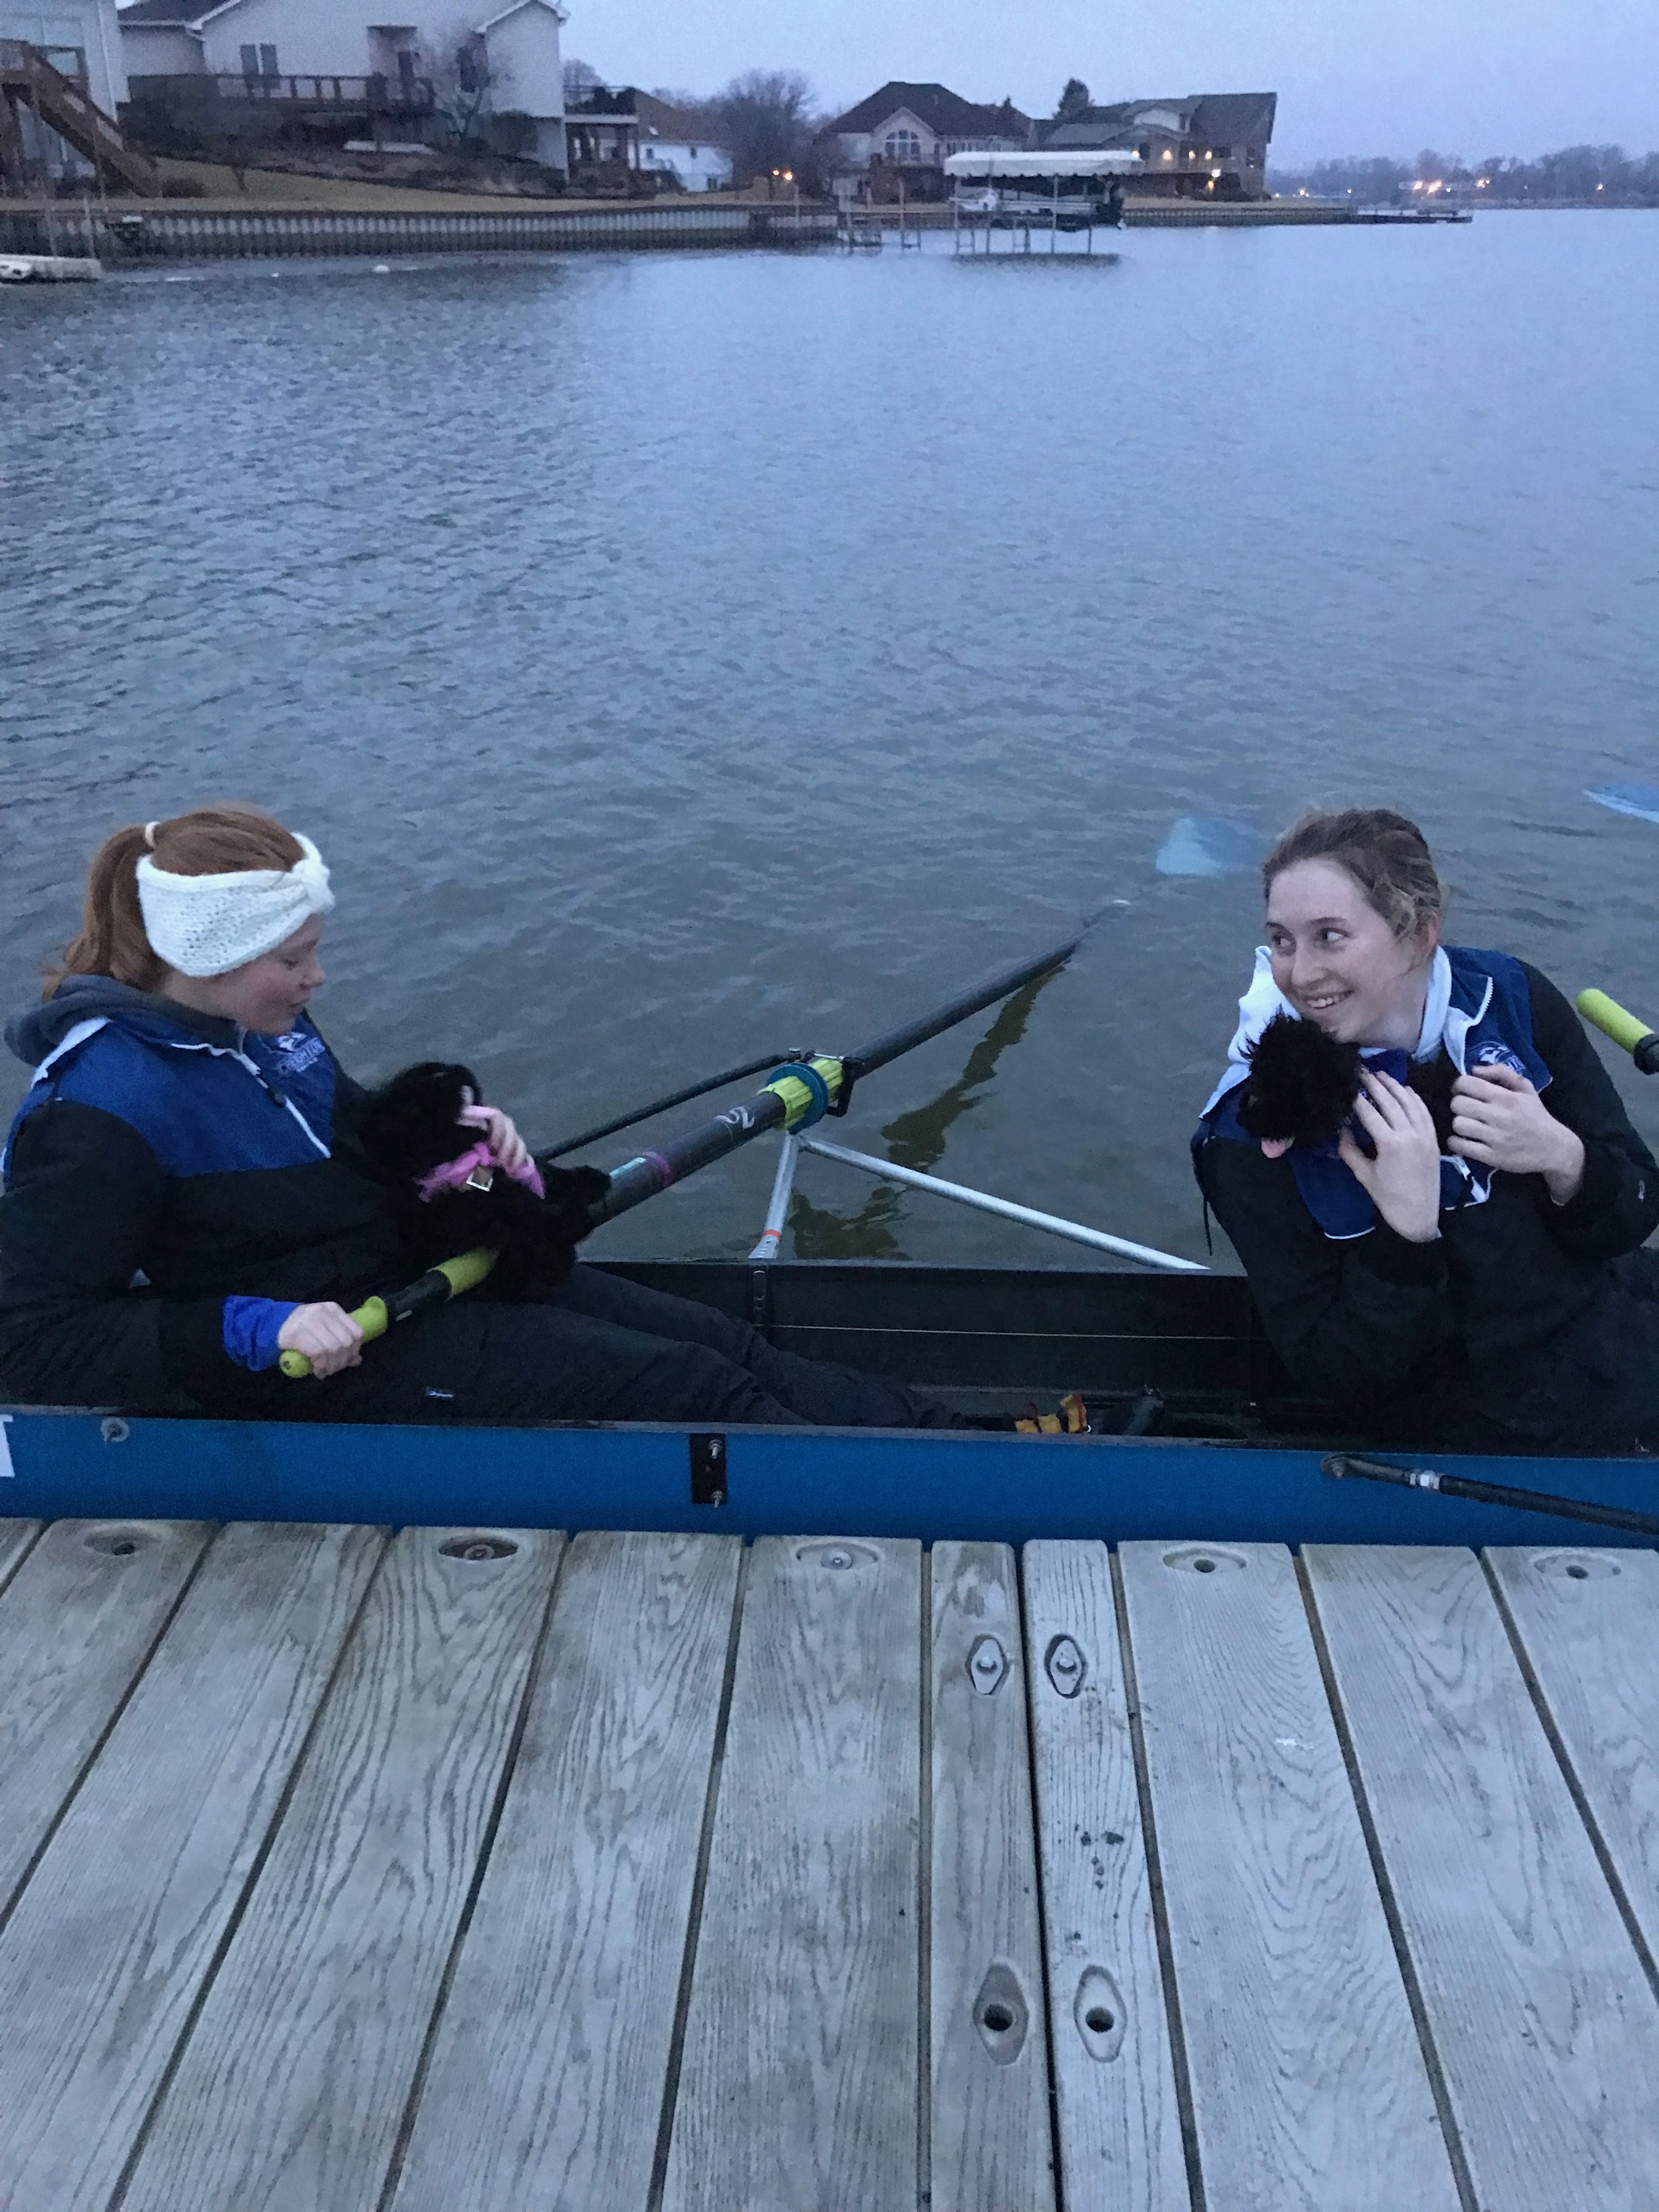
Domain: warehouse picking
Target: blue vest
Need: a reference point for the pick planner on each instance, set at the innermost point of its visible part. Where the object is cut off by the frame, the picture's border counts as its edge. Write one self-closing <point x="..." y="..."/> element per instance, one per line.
<point x="1488" y="1024"/>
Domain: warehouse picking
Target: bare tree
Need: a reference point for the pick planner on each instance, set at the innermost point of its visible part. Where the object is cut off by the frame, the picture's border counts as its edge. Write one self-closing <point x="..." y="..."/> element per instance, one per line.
<point x="580" y="79"/>
<point x="766" y="116"/>
<point x="466" y="82"/>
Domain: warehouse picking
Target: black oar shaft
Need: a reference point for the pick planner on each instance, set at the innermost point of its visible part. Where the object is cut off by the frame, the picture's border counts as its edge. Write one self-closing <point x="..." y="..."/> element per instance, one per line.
<point x="1493" y="1493"/>
<point x="1002" y="985"/>
<point x="659" y="1106"/>
<point x="641" y="1178"/>
<point x="788" y="1104"/>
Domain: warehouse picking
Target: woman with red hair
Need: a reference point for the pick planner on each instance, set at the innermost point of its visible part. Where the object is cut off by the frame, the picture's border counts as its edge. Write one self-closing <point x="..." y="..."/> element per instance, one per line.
<point x="186" y="1195"/>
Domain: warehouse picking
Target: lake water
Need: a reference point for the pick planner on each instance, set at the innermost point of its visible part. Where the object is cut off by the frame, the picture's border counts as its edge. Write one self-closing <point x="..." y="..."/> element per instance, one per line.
<point x="681" y="656"/>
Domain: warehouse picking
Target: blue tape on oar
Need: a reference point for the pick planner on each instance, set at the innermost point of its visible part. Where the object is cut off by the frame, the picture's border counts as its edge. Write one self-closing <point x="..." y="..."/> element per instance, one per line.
<point x="1639" y="799"/>
<point x="1210" y="845"/>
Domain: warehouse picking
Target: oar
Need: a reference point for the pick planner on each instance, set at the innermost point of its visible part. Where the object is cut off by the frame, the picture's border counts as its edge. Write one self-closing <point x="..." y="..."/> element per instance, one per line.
<point x="435" y="1288"/>
<point x="659" y="1106"/>
<point x="1340" y="1464"/>
<point x="801" y="1092"/>
<point x="1624" y="1029"/>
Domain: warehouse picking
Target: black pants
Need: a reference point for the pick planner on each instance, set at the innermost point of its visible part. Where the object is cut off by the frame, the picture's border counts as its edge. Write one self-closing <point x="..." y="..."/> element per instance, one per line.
<point x="598" y="1349"/>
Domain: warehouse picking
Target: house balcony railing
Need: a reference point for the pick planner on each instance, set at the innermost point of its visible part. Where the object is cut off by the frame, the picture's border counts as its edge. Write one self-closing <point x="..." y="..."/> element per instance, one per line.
<point x="379" y="94"/>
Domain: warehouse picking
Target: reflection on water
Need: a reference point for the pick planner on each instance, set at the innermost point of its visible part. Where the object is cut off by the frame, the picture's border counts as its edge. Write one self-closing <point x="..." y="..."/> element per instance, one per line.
<point x="915" y="1139"/>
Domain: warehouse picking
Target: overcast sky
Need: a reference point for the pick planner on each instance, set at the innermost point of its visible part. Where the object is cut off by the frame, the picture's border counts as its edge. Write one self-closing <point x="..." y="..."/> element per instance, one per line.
<point x="1353" y="77"/>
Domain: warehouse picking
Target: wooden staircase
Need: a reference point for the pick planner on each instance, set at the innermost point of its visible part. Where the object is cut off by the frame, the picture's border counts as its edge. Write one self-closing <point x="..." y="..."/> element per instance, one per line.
<point x="28" y="80"/>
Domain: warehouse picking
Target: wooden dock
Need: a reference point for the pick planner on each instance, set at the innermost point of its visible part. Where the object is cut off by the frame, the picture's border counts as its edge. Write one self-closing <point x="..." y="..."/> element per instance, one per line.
<point x="482" y="1871"/>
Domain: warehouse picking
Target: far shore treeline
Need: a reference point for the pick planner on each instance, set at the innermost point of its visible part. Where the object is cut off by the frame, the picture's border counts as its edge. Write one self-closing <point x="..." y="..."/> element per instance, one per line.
<point x="1604" y="176"/>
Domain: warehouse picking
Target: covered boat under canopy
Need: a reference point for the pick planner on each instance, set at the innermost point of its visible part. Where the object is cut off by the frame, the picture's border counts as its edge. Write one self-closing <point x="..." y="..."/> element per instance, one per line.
<point x="1032" y="164"/>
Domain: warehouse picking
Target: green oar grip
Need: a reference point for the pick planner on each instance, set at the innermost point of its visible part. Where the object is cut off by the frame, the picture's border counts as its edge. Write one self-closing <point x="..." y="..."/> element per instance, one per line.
<point x="1623" y="1027"/>
<point x="435" y="1288"/>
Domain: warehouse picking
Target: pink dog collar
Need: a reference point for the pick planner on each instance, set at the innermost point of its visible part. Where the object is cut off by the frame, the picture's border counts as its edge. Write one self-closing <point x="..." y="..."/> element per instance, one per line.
<point x="476" y="1166"/>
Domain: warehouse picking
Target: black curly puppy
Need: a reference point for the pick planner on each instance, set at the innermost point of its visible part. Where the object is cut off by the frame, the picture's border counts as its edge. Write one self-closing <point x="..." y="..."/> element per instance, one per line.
<point x="411" y="1126"/>
<point x="1302" y="1084"/>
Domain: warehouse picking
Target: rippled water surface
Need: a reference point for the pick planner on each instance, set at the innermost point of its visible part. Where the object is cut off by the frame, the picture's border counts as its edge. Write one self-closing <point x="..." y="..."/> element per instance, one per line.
<point x="681" y="657"/>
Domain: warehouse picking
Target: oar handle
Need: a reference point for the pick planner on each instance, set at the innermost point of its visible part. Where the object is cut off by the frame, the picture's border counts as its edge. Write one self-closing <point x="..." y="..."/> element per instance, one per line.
<point x="371" y="1317"/>
<point x="1626" y="1030"/>
<point x="1341" y="1464"/>
<point x="435" y="1288"/>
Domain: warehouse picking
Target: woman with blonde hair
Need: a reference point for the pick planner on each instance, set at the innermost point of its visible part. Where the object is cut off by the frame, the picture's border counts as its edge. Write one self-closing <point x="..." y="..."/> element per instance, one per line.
<point x="1456" y="1264"/>
<point x="186" y="1196"/>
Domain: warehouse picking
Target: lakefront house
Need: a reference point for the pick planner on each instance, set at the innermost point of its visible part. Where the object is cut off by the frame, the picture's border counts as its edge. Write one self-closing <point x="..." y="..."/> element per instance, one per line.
<point x="912" y="129"/>
<point x="1212" y="144"/>
<point x="621" y="128"/>
<point x="327" y="68"/>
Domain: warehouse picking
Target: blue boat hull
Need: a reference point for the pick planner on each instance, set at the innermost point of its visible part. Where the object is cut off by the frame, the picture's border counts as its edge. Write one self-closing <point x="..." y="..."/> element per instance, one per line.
<point x="1238" y="1456"/>
<point x="929" y="1485"/>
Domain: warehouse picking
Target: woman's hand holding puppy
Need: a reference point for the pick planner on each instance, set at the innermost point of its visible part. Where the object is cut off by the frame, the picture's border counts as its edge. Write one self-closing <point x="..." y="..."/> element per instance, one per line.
<point x="1498" y="1121"/>
<point x="1403" y="1179"/>
<point x="507" y="1148"/>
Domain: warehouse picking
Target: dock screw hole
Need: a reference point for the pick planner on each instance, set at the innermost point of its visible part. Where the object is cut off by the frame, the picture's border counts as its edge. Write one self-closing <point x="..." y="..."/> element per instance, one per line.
<point x="1200" y="1567"/>
<point x="117" y="1542"/>
<point x="1579" y="1574"/>
<point x="999" y="2019"/>
<point x="837" y="1559"/>
<point x="478" y="1547"/>
<point x="1097" y="2021"/>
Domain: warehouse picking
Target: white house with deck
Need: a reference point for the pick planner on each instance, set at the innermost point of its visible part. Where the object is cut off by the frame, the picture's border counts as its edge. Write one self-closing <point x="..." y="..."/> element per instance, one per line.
<point x="80" y="38"/>
<point x="513" y="50"/>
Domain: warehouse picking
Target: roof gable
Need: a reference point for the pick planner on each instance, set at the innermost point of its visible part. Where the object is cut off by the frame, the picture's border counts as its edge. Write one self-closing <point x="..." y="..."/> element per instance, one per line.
<point x="658" y="119"/>
<point x="937" y="108"/>
<point x="156" y="14"/>
<point x="518" y="7"/>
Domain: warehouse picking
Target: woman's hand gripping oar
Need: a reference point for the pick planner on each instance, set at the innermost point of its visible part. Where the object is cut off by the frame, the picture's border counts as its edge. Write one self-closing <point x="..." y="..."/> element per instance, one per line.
<point x="435" y="1288"/>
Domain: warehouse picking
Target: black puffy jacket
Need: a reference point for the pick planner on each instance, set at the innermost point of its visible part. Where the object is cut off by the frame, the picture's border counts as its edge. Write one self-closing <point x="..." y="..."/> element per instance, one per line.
<point x="1525" y="1327"/>
<point x="162" y="1161"/>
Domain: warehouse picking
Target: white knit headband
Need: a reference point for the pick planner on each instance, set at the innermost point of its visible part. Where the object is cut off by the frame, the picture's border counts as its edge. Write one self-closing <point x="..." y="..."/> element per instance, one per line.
<point x="208" y="925"/>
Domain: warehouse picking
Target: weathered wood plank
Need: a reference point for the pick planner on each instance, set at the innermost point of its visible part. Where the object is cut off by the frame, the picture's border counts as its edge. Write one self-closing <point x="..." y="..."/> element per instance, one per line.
<point x="119" y="1924"/>
<point x="1119" y="2122"/>
<point x="77" y="1624"/>
<point x="1588" y="1622"/>
<point x="15" y="1538"/>
<point x="1310" y="2091"/>
<point x="1546" y="2032"/>
<point x="797" y="2091"/>
<point x="291" y="2090"/>
<point x="991" y="2143"/>
<point x="546" y="2081"/>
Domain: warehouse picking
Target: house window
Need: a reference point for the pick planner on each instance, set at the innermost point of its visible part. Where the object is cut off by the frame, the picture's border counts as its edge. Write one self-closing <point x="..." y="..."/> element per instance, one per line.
<point x="693" y="153"/>
<point x="267" y="61"/>
<point x="471" y="70"/>
<point x="902" y="146"/>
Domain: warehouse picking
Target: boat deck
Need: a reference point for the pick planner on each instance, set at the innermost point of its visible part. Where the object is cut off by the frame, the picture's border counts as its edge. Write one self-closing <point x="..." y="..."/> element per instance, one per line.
<point x="471" y="1869"/>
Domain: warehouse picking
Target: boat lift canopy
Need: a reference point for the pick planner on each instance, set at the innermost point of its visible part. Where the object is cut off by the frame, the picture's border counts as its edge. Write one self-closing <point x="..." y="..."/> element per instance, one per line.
<point x="1121" y="161"/>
